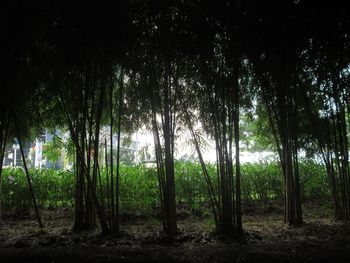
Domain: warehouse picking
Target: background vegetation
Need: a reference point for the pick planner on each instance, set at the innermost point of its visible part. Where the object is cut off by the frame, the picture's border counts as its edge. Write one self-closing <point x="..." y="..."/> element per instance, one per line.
<point x="139" y="192"/>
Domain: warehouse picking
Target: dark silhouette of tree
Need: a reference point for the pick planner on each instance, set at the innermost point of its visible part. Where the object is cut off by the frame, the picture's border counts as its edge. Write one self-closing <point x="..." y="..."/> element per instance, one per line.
<point x="165" y="64"/>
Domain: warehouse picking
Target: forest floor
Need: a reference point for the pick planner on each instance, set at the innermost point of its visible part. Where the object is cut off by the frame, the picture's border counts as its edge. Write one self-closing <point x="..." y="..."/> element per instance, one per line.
<point x="266" y="239"/>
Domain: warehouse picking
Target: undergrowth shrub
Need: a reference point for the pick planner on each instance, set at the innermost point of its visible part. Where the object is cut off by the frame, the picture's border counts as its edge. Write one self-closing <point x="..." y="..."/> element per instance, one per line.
<point x="139" y="188"/>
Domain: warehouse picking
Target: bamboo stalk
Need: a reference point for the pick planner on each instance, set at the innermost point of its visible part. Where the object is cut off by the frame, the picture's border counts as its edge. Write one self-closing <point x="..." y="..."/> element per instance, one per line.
<point x="30" y="184"/>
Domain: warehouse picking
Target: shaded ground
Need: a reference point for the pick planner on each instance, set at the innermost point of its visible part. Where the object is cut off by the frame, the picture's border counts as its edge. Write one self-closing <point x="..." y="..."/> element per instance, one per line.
<point x="266" y="239"/>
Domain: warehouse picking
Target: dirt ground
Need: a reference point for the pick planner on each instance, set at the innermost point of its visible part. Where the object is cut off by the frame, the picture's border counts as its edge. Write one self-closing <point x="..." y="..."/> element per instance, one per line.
<point x="266" y="239"/>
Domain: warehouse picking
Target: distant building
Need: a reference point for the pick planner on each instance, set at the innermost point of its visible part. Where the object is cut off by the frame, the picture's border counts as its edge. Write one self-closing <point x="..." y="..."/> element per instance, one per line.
<point x="35" y="151"/>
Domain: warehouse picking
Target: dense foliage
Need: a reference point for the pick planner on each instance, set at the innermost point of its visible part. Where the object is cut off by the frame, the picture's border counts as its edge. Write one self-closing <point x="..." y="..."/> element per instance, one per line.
<point x="261" y="183"/>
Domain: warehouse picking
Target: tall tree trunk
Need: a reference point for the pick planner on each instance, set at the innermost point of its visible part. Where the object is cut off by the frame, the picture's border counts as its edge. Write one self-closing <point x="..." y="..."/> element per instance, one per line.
<point x="96" y="152"/>
<point x="239" y="227"/>
<point x="78" y="136"/>
<point x="170" y="205"/>
<point x="30" y="184"/>
<point x="4" y="129"/>
<point x="108" y="186"/>
<point x="160" y="166"/>
<point x="117" y="223"/>
<point x="112" y="207"/>
<point x="211" y="192"/>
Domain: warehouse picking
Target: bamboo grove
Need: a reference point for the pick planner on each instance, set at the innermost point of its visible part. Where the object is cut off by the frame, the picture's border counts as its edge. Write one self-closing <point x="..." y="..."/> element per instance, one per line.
<point x="126" y="64"/>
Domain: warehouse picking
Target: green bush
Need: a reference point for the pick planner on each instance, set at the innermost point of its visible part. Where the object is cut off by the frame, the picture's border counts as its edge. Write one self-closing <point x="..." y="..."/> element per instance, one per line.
<point x="139" y="188"/>
<point x="314" y="181"/>
<point x="52" y="188"/>
<point x="261" y="181"/>
<point x="264" y="181"/>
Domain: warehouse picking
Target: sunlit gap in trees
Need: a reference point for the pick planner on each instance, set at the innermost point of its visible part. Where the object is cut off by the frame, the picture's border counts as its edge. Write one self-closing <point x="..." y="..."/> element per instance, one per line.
<point x="185" y="150"/>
